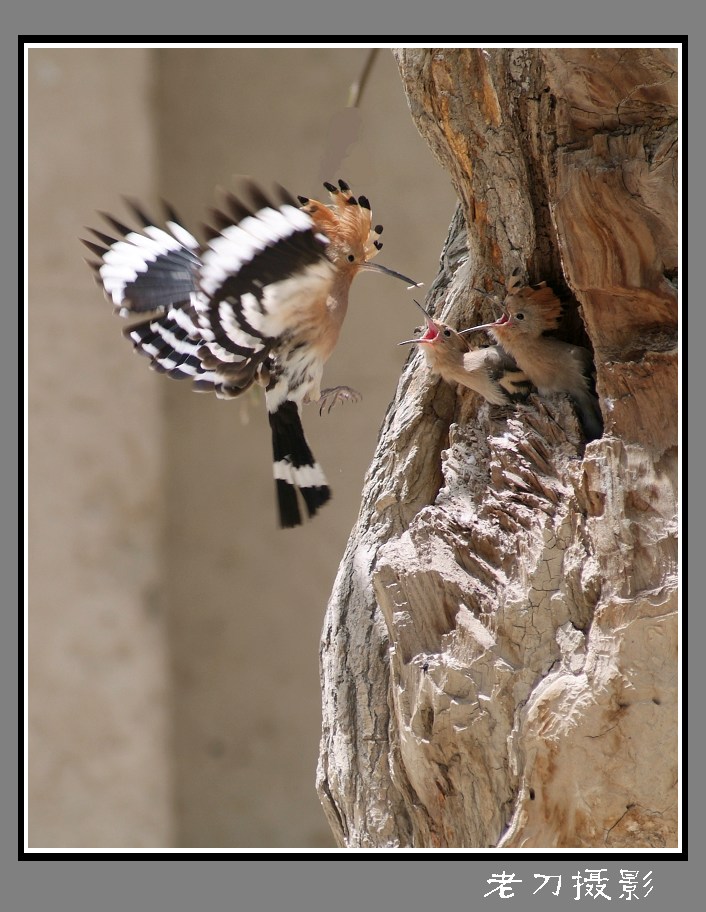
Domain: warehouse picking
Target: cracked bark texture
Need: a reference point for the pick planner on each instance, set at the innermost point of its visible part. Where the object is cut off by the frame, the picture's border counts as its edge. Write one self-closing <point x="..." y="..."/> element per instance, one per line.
<point x="499" y="654"/>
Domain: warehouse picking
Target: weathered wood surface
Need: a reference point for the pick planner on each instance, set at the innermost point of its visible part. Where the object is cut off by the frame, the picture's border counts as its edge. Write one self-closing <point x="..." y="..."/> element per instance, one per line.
<point x="499" y="654"/>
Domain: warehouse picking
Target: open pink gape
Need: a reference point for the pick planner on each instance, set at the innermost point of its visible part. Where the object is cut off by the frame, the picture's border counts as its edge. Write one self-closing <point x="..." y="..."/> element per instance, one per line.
<point x="432" y="332"/>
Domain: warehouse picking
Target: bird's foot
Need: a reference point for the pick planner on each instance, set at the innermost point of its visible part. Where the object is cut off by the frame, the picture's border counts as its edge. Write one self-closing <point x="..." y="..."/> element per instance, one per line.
<point x="331" y="397"/>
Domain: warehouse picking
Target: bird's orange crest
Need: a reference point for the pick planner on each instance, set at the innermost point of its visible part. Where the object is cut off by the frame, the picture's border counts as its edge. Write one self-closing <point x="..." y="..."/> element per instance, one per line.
<point x="348" y="221"/>
<point x="543" y="300"/>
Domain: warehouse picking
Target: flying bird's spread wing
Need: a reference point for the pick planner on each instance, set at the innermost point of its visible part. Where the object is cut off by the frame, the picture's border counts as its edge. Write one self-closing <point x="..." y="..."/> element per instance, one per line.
<point x="261" y="301"/>
<point x="216" y="310"/>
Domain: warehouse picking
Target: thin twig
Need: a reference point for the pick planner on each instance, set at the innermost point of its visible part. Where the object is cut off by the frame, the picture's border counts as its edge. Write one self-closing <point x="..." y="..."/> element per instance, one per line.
<point x="356" y="90"/>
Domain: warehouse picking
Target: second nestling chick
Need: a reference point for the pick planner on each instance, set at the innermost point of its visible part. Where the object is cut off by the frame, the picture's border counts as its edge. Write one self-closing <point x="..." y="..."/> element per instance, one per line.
<point x="552" y="365"/>
<point x="488" y="371"/>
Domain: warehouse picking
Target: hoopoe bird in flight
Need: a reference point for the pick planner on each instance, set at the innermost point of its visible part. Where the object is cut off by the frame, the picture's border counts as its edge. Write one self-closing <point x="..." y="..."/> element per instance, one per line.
<point x="262" y="302"/>
<point x="489" y="371"/>
<point x="551" y="365"/>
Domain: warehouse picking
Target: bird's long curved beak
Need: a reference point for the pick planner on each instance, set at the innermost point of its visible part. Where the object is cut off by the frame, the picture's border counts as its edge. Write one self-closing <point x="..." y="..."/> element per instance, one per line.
<point x="423" y="310"/>
<point x="500" y="322"/>
<point x="410" y="341"/>
<point x="377" y="267"/>
<point x="431" y="333"/>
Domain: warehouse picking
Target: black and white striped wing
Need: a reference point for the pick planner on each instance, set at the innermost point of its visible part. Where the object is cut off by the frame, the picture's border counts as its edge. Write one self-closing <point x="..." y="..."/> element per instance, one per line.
<point x="239" y="309"/>
<point x="263" y="266"/>
<point x="216" y="312"/>
<point x="155" y="271"/>
<point x="146" y="270"/>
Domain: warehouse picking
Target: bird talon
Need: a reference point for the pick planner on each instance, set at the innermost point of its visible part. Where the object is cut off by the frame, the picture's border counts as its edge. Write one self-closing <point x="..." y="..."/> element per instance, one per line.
<point x="331" y="397"/>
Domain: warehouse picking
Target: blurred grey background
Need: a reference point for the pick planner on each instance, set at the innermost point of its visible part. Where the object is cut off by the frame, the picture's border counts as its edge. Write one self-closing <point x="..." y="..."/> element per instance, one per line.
<point x="173" y="629"/>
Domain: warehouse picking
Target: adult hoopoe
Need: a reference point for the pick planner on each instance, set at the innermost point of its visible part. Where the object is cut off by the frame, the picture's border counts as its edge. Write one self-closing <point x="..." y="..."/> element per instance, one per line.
<point x="263" y="301"/>
<point x="552" y="365"/>
<point x="489" y="371"/>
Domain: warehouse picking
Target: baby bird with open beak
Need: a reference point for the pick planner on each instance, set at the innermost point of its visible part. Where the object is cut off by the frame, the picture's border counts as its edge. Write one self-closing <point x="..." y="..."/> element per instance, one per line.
<point x="551" y="365"/>
<point x="488" y="371"/>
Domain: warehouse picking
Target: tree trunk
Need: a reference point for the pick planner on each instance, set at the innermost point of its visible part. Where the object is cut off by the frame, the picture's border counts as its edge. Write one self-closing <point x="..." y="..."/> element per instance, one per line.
<point x="499" y="654"/>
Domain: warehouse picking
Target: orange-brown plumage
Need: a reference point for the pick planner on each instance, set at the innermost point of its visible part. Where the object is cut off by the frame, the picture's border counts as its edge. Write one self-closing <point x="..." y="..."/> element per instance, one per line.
<point x="348" y="226"/>
<point x="551" y="364"/>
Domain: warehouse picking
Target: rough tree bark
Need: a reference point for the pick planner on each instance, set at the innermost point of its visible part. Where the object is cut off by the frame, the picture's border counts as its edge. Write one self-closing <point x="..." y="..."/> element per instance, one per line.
<point x="499" y="655"/>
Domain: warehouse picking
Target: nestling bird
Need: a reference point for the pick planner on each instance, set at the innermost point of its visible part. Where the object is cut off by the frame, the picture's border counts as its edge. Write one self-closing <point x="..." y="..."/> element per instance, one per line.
<point x="263" y="301"/>
<point x="489" y="371"/>
<point x="551" y="365"/>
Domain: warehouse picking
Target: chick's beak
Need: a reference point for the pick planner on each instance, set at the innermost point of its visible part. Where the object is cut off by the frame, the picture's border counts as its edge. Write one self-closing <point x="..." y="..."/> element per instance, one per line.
<point x="429" y="336"/>
<point x="502" y="321"/>
<point x="432" y="329"/>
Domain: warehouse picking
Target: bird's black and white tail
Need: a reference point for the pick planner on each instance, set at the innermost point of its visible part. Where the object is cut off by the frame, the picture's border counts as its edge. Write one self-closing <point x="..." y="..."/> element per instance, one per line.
<point x="295" y="469"/>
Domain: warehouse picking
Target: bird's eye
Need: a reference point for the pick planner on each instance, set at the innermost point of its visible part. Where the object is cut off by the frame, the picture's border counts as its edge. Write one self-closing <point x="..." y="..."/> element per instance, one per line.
<point x="447" y="332"/>
<point x="519" y="316"/>
<point x="350" y="258"/>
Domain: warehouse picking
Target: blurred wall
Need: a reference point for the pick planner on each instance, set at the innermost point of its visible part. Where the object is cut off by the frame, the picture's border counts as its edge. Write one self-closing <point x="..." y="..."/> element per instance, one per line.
<point x="100" y="771"/>
<point x="174" y="629"/>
